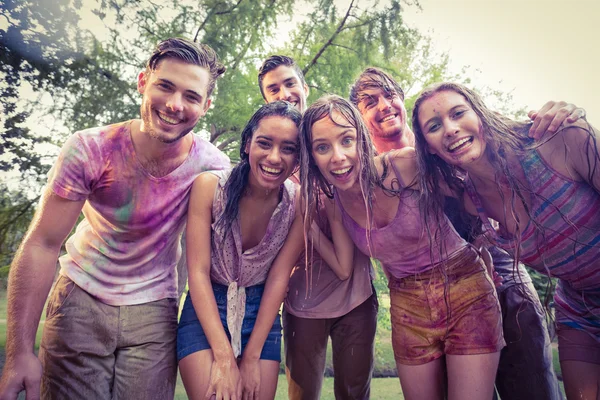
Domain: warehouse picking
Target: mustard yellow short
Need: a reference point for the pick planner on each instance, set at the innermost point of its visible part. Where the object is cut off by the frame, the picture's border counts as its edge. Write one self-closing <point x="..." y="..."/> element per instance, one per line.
<point x="451" y="309"/>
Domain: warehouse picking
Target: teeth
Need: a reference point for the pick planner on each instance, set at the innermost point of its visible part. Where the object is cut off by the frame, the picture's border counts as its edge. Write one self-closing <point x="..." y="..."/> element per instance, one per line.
<point x="168" y="119"/>
<point x="459" y="143"/>
<point x="340" y="171"/>
<point x="271" y="170"/>
<point x="389" y="117"/>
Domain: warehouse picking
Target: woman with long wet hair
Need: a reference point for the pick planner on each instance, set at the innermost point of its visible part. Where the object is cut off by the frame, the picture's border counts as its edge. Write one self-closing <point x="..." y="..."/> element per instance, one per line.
<point x="545" y="198"/>
<point x="243" y="236"/>
<point x="443" y="302"/>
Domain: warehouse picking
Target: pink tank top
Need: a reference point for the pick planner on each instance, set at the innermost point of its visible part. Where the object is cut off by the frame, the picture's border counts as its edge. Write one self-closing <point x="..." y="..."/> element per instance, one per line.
<point x="404" y="247"/>
<point x="318" y="292"/>
<point x="567" y="244"/>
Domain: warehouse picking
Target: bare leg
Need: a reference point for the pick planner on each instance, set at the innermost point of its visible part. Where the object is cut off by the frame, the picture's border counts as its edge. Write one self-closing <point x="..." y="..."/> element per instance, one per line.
<point x="422" y="382"/>
<point x="269" y="372"/>
<point x="472" y="376"/>
<point x="195" y="373"/>
<point x="582" y="380"/>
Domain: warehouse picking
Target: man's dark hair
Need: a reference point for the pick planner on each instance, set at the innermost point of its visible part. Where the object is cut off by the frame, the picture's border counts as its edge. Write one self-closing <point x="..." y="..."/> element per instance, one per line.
<point x="190" y="52"/>
<point x="374" y="78"/>
<point x="276" y="61"/>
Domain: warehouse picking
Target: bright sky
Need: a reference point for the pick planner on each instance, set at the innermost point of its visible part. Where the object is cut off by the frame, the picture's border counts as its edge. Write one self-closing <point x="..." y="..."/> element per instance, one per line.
<point x="538" y="49"/>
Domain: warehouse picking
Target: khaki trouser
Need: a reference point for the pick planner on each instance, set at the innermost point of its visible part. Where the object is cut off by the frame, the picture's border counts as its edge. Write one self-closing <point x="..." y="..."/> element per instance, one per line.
<point x="91" y="350"/>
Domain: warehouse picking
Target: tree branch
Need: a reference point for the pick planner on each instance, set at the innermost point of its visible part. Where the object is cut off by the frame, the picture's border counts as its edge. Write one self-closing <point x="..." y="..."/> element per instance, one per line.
<point x="10" y="21"/>
<point x="354" y="26"/>
<point x="310" y="30"/>
<point x="210" y="14"/>
<point x="226" y="143"/>
<point x="242" y="54"/>
<point x="318" y="88"/>
<point x="230" y="10"/>
<point x="330" y="41"/>
<point x="216" y="133"/>
<point x="19" y="214"/>
<point x="345" y="47"/>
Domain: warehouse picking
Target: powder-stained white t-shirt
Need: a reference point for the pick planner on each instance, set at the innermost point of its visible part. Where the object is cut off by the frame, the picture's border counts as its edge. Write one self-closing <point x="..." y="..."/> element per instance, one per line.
<point x="125" y="251"/>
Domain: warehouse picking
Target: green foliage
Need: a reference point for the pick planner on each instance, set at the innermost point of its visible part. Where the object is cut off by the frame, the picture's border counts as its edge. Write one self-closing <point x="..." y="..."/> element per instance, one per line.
<point x="333" y="46"/>
<point x="380" y="283"/>
<point x="543" y="285"/>
<point x="38" y="49"/>
<point x="15" y="213"/>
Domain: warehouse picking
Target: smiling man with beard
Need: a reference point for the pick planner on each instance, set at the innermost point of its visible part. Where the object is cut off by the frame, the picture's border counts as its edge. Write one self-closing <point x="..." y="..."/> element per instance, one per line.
<point x="111" y="320"/>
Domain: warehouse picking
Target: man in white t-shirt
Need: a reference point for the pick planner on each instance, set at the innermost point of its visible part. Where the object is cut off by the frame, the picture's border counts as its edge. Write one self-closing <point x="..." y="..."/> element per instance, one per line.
<point x="111" y="320"/>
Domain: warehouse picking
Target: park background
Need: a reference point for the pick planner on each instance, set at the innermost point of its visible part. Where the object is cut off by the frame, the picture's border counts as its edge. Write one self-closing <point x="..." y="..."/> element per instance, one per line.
<point x="67" y="65"/>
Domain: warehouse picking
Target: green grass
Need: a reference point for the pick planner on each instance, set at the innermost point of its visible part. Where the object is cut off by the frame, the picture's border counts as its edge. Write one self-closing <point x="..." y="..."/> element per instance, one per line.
<point x="381" y="389"/>
<point x="38" y="336"/>
<point x="2" y="303"/>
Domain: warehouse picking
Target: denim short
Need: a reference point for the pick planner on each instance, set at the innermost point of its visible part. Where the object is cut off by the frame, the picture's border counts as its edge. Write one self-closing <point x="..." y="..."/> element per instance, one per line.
<point x="191" y="337"/>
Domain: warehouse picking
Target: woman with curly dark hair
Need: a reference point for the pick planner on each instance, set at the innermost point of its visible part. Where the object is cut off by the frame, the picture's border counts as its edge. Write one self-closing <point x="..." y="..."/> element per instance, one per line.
<point x="244" y="235"/>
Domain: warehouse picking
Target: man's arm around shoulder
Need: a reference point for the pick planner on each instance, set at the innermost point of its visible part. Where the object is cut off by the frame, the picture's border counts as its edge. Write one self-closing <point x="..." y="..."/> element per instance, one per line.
<point x="30" y="278"/>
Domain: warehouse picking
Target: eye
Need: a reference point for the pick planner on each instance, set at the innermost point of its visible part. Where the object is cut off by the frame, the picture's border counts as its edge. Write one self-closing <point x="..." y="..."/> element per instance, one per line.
<point x="274" y="91"/>
<point x="347" y="140"/>
<point x="192" y="98"/>
<point x="433" y="127"/>
<point x="290" y="84"/>
<point x="459" y="113"/>
<point x="263" y="144"/>
<point x="365" y="105"/>
<point x="368" y="104"/>
<point x="289" y="150"/>
<point x="164" y="86"/>
<point x="321" y="148"/>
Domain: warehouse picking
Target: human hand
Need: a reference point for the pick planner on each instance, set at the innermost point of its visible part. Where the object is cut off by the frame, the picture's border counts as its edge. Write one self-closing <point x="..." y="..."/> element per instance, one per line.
<point x="551" y="116"/>
<point x="22" y="372"/>
<point x="250" y="375"/>
<point x="497" y="279"/>
<point x="225" y="383"/>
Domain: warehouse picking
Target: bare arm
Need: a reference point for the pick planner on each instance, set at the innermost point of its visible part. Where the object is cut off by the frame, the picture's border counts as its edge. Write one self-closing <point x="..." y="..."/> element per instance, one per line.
<point x="583" y="145"/>
<point x="30" y="278"/>
<point x="224" y="372"/>
<point x="273" y="295"/>
<point x="339" y="254"/>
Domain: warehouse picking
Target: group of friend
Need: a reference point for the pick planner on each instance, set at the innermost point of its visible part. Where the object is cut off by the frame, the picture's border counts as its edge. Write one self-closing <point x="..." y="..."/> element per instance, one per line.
<point x="452" y="209"/>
